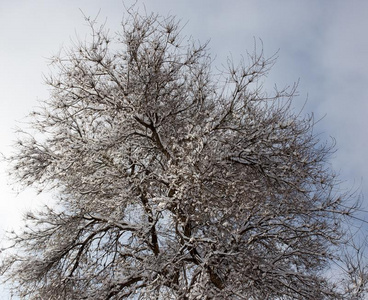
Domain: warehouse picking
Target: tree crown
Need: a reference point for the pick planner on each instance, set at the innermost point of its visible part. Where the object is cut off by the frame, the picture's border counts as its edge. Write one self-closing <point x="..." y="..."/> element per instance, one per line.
<point x="173" y="181"/>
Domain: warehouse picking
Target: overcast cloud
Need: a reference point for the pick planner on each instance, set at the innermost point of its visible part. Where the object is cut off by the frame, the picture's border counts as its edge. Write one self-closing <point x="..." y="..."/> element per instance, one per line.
<point x="322" y="43"/>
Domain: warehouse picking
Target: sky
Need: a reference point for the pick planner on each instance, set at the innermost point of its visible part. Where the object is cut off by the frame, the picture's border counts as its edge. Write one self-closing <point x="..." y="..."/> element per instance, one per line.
<point x="323" y="44"/>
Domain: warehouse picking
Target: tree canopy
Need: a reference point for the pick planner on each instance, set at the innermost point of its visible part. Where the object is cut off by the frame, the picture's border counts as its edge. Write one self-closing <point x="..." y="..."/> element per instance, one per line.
<point x="172" y="179"/>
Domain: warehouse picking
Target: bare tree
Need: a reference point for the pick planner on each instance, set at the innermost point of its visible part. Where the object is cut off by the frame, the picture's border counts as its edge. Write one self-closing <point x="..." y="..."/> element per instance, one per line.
<point x="172" y="180"/>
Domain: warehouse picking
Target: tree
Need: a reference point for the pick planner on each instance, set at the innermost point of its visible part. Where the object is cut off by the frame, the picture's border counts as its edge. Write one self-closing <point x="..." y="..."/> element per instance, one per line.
<point x="171" y="180"/>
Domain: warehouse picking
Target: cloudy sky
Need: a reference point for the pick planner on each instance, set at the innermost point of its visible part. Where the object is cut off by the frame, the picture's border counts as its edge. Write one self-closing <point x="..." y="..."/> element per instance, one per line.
<point x="324" y="44"/>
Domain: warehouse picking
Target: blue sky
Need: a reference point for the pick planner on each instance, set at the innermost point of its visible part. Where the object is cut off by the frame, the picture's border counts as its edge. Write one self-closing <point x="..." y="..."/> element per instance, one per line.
<point x="322" y="43"/>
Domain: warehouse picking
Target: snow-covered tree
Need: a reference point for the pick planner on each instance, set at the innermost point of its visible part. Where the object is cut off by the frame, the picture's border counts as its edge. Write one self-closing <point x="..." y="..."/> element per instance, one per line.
<point x="172" y="180"/>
